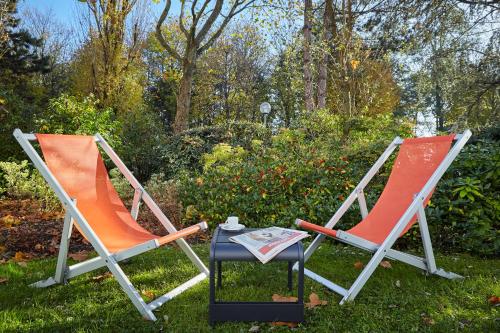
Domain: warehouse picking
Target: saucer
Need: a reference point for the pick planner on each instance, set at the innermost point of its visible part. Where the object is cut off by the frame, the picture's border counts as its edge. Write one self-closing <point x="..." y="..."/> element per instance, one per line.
<point x="231" y="227"/>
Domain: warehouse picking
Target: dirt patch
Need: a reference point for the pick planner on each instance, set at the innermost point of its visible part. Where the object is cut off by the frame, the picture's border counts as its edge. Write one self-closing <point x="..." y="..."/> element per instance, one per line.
<point x="25" y="228"/>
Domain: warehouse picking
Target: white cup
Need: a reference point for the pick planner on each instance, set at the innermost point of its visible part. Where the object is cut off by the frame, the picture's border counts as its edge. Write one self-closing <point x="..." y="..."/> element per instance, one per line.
<point x="232" y="220"/>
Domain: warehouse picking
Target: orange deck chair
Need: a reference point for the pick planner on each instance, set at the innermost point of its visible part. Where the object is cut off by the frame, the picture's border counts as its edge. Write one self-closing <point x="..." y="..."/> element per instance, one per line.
<point x="75" y="170"/>
<point x="420" y="163"/>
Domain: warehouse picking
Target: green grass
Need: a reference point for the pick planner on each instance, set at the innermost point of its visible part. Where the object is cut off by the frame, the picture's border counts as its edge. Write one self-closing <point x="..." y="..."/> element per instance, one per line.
<point x="84" y="305"/>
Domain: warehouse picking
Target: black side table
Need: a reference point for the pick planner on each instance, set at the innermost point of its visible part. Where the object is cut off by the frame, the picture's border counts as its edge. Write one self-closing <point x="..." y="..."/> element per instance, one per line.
<point x="222" y="249"/>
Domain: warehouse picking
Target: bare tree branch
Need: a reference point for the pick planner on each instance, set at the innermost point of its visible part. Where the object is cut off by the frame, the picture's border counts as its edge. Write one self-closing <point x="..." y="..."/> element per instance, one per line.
<point x="159" y="34"/>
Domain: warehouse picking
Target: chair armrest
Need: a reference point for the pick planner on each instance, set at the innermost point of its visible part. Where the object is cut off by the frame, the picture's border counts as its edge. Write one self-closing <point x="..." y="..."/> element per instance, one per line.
<point x="314" y="227"/>
<point x="182" y="233"/>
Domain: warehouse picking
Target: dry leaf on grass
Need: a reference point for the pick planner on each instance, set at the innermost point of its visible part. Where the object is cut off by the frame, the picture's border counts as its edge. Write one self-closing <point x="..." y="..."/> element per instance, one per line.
<point x="284" y="323"/>
<point x="359" y="265"/>
<point x="386" y="264"/>
<point x="20" y="256"/>
<point x="280" y="298"/>
<point x="22" y="264"/>
<point x="3" y="280"/>
<point x="148" y="293"/>
<point x="315" y="301"/>
<point x="99" y="278"/>
<point x="494" y="300"/>
<point x="80" y="256"/>
<point x="426" y="319"/>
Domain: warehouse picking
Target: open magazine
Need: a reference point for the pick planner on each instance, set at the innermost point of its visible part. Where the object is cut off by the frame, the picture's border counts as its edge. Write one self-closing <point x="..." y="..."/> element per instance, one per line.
<point x="265" y="244"/>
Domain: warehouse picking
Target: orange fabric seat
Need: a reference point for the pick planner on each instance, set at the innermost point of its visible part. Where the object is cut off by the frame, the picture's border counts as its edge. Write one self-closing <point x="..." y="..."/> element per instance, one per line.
<point x="417" y="160"/>
<point x="76" y="163"/>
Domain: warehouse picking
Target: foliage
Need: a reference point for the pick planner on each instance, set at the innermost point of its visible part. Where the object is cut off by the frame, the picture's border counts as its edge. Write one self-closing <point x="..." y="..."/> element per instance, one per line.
<point x="467" y="199"/>
<point x="20" y="96"/>
<point x="142" y="136"/>
<point x="67" y="115"/>
<point x="308" y="174"/>
<point x="231" y="78"/>
<point x="299" y="174"/>
<point x="184" y="151"/>
<point x="20" y="181"/>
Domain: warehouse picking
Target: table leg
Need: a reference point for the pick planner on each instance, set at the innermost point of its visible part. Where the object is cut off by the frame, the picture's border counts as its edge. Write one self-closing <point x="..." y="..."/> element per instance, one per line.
<point x="212" y="290"/>
<point x="219" y="274"/>
<point x="290" y="276"/>
<point x="300" y="281"/>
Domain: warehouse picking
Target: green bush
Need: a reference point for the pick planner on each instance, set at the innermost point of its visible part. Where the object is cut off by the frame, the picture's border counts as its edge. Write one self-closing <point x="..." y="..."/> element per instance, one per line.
<point x="143" y="138"/>
<point x="300" y="174"/>
<point x="184" y="151"/>
<point x="465" y="210"/>
<point x="20" y="181"/>
<point x="67" y="115"/>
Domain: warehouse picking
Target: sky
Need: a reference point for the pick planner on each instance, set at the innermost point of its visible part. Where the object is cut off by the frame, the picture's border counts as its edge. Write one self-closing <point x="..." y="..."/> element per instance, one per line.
<point x="65" y="11"/>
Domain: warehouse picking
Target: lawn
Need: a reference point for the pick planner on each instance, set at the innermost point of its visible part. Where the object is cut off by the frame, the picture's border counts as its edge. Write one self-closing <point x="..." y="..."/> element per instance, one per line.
<point x="400" y="298"/>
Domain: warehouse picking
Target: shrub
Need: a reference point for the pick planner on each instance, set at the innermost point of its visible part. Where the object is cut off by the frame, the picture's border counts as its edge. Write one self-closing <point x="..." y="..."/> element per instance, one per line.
<point x="22" y="182"/>
<point x="465" y="211"/>
<point x="299" y="174"/>
<point x="184" y="151"/>
<point x="143" y="138"/>
<point x="67" y="115"/>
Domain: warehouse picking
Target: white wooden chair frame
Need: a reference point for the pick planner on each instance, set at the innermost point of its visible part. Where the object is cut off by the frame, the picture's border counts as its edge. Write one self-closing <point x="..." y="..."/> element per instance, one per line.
<point x="384" y="250"/>
<point x="105" y="258"/>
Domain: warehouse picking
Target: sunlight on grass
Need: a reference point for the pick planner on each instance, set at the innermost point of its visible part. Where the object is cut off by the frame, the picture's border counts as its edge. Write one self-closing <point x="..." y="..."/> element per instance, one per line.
<point x="416" y="303"/>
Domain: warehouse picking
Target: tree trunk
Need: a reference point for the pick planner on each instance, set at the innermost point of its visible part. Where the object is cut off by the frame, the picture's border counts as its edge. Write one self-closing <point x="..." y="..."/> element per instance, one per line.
<point x="308" y="79"/>
<point x="323" y="65"/>
<point x="184" y="99"/>
<point x="439" y="107"/>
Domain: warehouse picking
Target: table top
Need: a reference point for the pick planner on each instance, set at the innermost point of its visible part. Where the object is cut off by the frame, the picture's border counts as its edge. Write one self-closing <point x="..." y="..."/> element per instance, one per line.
<point x="222" y="249"/>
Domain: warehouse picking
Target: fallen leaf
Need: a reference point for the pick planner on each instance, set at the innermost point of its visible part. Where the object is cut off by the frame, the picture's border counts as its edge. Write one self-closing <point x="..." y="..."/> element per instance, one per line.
<point x="280" y="298"/>
<point x="22" y="264"/>
<point x="148" y="293"/>
<point x="493" y="300"/>
<point x="80" y="256"/>
<point x="254" y="329"/>
<point x="385" y="264"/>
<point x="20" y="256"/>
<point x="284" y="323"/>
<point x="314" y="301"/>
<point x="2" y="249"/>
<point x="398" y="284"/>
<point x="104" y="276"/>
<point x="426" y="319"/>
<point x="359" y="265"/>
<point x="3" y="280"/>
<point x="38" y="247"/>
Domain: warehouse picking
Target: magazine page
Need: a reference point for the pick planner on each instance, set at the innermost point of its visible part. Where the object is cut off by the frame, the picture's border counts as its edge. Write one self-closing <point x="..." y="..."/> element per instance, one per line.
<point x="266" y="243"/>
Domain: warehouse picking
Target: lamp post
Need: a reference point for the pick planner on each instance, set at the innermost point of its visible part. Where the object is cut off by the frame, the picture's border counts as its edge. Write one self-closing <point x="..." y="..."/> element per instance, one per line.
<point x="265" y="109"/>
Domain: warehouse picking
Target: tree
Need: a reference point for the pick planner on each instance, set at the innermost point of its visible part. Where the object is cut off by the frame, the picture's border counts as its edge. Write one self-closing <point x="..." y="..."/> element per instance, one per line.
<point x="329" y="30"/>
<point x="112" y="54"/>
<point x="20" y="97"/>
<point x="308" y="63"/>
<point x="199" y="36"/>
<point x="55" y="45"/>
<point x="232" y="77"/>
